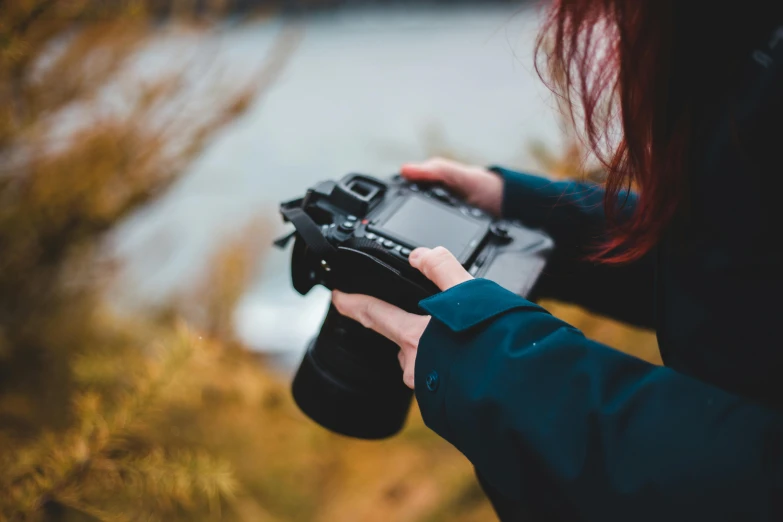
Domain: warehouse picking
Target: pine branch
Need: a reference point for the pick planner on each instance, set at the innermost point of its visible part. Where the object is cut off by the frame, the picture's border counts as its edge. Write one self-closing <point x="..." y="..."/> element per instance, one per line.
<point x="97" y="452"/>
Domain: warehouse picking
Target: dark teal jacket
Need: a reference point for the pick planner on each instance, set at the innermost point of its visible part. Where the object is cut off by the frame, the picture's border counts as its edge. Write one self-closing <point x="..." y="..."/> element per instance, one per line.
<point x="564" y="428"/>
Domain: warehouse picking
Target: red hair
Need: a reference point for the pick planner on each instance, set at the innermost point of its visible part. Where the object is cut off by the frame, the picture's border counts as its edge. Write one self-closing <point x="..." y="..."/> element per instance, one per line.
<point x="651" y="68"/>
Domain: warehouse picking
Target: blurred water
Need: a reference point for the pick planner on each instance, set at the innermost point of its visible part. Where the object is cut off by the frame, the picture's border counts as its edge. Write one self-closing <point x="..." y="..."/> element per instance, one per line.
<point x="365" y="91"/>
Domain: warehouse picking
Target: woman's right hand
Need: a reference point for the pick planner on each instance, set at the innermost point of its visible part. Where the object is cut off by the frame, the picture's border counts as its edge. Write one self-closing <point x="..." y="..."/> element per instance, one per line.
<point x="479" y="186"/>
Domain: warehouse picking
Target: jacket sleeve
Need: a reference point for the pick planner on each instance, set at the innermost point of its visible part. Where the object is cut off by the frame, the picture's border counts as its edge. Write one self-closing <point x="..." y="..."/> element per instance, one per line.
<point x="583" y="432"/>
<point x="573" y="214"/>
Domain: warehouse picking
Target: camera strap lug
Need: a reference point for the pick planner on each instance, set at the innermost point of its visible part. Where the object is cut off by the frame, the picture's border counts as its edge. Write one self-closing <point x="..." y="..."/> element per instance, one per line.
<point x="282" y="242"/>
<point x="311" y="233"/>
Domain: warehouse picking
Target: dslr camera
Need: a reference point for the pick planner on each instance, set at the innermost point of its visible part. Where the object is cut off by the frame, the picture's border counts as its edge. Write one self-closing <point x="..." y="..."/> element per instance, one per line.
<point x="355" y="235"/>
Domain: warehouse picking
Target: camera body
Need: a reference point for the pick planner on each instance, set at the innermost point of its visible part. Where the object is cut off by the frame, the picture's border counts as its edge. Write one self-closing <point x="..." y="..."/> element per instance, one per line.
<point x="355" y="235"/>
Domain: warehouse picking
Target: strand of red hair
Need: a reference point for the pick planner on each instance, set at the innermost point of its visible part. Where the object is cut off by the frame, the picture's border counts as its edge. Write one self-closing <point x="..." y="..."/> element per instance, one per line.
<point x="609" y="61"/>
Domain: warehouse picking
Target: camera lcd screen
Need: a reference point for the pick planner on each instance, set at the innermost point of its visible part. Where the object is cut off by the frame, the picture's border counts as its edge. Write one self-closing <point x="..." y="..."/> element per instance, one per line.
<point x="423" y="223"/>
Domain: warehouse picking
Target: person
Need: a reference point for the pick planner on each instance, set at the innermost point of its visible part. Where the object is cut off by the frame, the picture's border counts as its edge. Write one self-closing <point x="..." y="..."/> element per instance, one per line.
<point x="683" y="237"/>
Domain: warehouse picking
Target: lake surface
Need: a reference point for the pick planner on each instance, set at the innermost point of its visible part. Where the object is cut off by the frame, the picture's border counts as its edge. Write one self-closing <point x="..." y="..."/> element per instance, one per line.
<point x="364" y="91"/>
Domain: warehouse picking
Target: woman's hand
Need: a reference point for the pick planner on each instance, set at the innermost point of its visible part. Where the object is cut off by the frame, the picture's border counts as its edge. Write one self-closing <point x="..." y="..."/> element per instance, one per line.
<point x="479" y="186"/>
<point x="401" y="327"/>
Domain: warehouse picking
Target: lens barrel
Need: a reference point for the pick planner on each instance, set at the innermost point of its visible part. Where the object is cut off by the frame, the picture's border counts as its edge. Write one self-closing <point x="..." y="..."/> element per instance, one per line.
<point x="350" y="381"/>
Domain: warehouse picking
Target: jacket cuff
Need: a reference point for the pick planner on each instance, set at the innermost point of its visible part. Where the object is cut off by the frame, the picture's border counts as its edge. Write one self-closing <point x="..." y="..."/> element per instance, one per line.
<point x="470" y="303"/>
<point x="526" y="197"/>
<point x="454" y="312"/>
<point x="434" y="359"/>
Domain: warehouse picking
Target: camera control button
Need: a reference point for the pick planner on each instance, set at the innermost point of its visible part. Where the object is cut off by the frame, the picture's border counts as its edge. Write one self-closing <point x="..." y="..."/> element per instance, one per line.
<point x="501" y="231"/>
<point x="476" y="212"/>
<point x="432" y="381"/>
<point x="370" y="235"/>
<point x="351" y="218"/>
<point x="389" y="243"/>
<point x="347" y="225"/>
<point x="415" y="188"/>
<point x="441" y="194"/>
<point x="405" y="252"/>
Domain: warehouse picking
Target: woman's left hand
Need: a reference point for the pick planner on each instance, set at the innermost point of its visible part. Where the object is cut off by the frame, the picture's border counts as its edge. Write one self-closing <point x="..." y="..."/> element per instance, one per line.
<point x="401" y="327"/>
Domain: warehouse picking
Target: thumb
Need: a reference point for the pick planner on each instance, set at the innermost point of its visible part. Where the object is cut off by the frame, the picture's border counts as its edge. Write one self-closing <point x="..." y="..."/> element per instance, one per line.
<point x="439" y="266"/>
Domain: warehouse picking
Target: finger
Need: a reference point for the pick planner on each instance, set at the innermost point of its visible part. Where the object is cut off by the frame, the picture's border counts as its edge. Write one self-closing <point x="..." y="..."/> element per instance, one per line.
<point x="439" y="266"/>
<point x="419" y="172"/>
<point x="434" y="169"/>
<point x="408" y="375"/>
<point x="372" y="313"/>
<point x="401" y="358"/>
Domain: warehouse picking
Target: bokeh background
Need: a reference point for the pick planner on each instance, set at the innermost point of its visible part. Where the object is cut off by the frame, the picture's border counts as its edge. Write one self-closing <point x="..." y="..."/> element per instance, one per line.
<point x="148" y="332"/>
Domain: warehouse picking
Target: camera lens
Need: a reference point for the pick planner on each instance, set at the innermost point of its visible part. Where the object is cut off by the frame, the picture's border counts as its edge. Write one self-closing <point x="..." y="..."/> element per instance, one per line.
<point x="350" y="381"/>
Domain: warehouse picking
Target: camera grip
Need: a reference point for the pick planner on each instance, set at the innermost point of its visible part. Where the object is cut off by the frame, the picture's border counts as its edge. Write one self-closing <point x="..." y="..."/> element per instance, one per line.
<point x="362" y="273"/>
